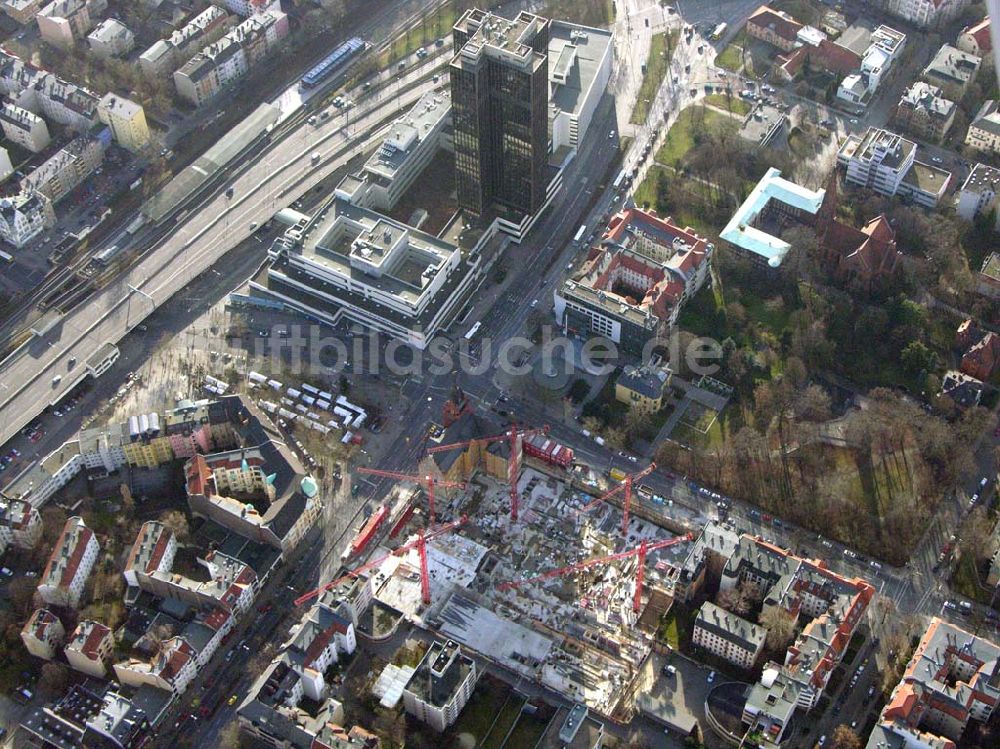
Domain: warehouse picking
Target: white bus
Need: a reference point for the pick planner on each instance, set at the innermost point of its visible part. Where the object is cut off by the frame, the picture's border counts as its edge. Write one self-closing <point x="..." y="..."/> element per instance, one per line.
<point x="473" y="330"/>
<point x="579" y="233"/>
<point x="619" y="179"/>
<point x="719" y="31"/>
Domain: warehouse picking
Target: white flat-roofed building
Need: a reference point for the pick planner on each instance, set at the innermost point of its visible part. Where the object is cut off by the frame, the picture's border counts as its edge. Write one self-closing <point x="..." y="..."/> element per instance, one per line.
<point x="407" y="149"/>
<point x="354" y="263"/>
<point x="979" y="192"/>
<point x="579" y="71"/>
<point x="111" y="38"/>
<point x="881" y="160"/>
<point x="952" y="70"/>
<point x="728" y="636"/>
<point x="43" y="634"/>
<point x="441" y="686"/>
<point x="69" y="566"/>
<point x="90" y="648"/>
<point x="25" y="128"/>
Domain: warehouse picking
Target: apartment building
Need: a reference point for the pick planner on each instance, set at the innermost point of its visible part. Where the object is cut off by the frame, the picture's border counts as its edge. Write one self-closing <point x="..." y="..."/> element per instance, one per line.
<point x="926" y="13"/>
<point x="832" y="608"/>
<point x="87" y="716"/>
<point x="90" y="648"/>
<point x="225" y="61"/>
<point x="62" y="22"/>
<point x="152" y="552"/>
<point x="272" y="712"/>
<point x="63" y="102"/>
<point x="247" y="8"/>
<point x="924" y="112"/>
<point x="166" y="55"/>
<point x="20" y="524"/>
<point x="975" y="39"/>
<point x="24" y="128"/>
<point x="317" y="641"/>
<point x="231" y="584"/>
<point x="110" y="39"/>
<point x="441" y="685"/>
<point x="984" y="131"/>
<point x="24" y="216"/>
<point x="951" y="679"/>
<point x="728" y="636"/>
<point x="126" y="120"/>
<point x="58" y="176"/>
<point x="952" y="70"/>
<point x="43" y="634"/>
<point x="634" y="284"/>
<point x="69" y="566"/>
<point x="171" y="669"/>
<point x="979" y="192"/>
<point x="22" y="11"/>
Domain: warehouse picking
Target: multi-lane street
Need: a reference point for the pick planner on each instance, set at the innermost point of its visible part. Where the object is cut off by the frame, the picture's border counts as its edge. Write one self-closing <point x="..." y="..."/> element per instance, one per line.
<point x="271" y="180"/>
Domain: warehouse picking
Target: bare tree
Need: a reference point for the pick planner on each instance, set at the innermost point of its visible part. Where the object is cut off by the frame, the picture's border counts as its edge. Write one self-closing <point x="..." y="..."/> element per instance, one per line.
<point x="54" y="678"/>
<point x="21" y="593"/>
<point x="844" y="738"/>
<point x="177" y="522"/>
<point x="780" y="626"/>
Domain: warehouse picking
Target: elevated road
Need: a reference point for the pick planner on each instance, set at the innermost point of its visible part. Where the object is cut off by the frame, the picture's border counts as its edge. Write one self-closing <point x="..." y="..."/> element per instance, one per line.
<point x="271" y="180"/>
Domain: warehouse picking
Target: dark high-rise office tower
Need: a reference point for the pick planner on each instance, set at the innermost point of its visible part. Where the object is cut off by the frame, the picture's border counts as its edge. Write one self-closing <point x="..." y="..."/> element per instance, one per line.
<point x="500" y="102"/>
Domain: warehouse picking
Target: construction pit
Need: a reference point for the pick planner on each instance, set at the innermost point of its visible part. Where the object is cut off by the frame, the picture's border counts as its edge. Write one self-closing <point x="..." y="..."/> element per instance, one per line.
<point x="575" y="633"/>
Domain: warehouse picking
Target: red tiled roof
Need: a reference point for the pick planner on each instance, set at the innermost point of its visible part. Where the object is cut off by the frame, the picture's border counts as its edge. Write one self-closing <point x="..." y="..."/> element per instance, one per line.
<point x="83" y="537"/>
<point x="981" y="33"/>
<point x="768" y="18"/>
<point x="98" y="632"/>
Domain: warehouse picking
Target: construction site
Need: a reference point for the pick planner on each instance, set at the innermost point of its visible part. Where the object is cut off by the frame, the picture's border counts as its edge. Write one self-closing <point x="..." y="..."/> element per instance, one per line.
<point x="530" y="561"/>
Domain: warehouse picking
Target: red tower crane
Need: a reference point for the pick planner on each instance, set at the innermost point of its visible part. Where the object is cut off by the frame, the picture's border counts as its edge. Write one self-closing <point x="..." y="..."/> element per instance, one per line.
<point x="420" y="544"/>
<point x="641" y="550"/>
<point x="627" y="500"/>
<point x="514" y="435"/>
<point x="428" y="482"/>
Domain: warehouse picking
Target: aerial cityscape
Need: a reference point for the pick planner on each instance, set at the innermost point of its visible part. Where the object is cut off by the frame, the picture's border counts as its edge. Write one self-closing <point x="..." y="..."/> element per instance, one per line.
<point x="499" y="374"/>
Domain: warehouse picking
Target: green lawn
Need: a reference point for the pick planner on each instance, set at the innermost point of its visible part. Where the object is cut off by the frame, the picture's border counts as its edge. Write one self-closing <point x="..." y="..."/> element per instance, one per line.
<point x="683" y="133"/>
<point x="733" y="104"/>
<point x="661" y="49"/>
<point x="675" y="627"/>
<point x="731" y="58"/>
